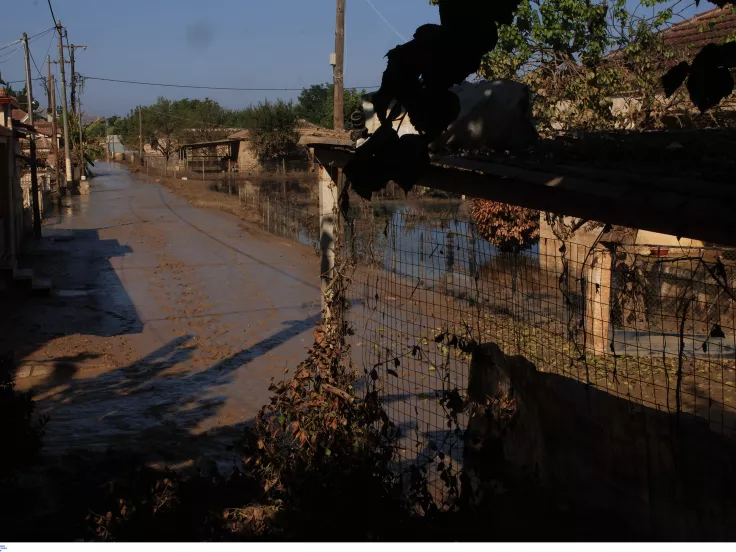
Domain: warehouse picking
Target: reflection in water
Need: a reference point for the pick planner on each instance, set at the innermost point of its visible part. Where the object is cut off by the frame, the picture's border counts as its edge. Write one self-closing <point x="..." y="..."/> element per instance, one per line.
<point x="426" y="243"/>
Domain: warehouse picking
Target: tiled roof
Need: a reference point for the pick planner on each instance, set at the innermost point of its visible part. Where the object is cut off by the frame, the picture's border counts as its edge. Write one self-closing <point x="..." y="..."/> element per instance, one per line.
<point x="45" y="127"/>
<point x="715" y="25"/>
<point x="18" y="114"/>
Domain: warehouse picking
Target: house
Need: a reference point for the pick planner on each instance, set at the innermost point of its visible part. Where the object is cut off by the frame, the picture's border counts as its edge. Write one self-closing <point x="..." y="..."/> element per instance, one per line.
<point x="687" y="38"/>
<point x="11" y="196"/>
<point x="236" y="151"/>
<point x="45" y="157"/>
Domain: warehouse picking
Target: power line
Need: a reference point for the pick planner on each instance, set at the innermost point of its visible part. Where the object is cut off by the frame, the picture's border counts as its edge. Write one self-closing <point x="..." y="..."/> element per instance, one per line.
<point x="30" y="38"/>
<point x="11" y="54"/>
<point x="39" y="35"/>
<point x="375" y="9"/>
<point x="9" y="44"/>
<point x="18" y="81"/>
<point x="42" y="78"/>
<point x="232" y="88"/>
<point x="52" y="13"/>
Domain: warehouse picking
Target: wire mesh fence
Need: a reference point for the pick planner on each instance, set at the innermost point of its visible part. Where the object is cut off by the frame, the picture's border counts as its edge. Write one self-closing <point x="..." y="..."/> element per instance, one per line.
<point x="280" y="208"/>
<point x="651" y="324"/>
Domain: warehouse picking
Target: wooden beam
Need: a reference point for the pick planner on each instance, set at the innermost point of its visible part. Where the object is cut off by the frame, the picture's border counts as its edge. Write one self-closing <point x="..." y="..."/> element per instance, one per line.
<point x="693" y="209"/>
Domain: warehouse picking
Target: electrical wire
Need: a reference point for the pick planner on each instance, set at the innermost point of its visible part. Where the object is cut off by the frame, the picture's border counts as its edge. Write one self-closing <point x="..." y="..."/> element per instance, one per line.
<point x="52" y="13"/>
<point x="11" y="54"/>
<point x="42" y="78"/>
<point x="19" y="81"/>
<point x="39" y="35"/>
<point x="232" y="88"/>
<point x="9" y="44"/>
<point x="375" y="9"/>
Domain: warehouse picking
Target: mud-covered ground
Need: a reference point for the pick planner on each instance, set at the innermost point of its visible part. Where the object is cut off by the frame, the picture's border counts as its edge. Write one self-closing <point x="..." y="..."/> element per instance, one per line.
<point x="166" y="324"/>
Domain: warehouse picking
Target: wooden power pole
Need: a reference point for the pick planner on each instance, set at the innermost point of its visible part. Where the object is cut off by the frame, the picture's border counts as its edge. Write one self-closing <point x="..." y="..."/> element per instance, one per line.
<point x="140" y="134"/>
<point x="65" y="114"/>
<point x="54" y="126"/>
<point x="76" y="105"/>
<point x="35" y="203"/>
<point x="339" y="79"/>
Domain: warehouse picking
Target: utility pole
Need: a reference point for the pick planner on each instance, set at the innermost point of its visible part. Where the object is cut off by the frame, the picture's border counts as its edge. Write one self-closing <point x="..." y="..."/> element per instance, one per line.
<point x="65" y="115"/>
<point x="75" y="77"/>
<point x="82" y="164"/>
<point x="32" y="137"/>
<point x="73" y="83"/>
<point x="76" y="105"/>
<point x="140" y="134"/>
<point x="54" y="126"/>
<point x="339" y="78"/>
<point x="107" y="143"/>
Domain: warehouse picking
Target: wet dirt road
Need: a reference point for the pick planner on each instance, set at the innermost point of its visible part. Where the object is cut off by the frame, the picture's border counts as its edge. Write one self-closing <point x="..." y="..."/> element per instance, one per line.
<point x="166" y="325"/>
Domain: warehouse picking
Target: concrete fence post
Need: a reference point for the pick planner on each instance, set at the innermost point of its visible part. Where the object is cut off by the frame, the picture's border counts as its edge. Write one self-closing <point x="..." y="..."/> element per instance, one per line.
<point x="598" y="301"/>
<point x="328" y="221"/>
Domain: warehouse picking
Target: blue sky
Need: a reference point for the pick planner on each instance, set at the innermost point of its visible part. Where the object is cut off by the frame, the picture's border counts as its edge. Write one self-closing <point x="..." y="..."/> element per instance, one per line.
<point x="236" y="43"/>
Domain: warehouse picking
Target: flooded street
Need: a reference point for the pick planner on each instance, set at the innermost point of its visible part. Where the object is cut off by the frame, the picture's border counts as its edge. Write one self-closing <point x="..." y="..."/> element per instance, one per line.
<point x="166" y="324"/>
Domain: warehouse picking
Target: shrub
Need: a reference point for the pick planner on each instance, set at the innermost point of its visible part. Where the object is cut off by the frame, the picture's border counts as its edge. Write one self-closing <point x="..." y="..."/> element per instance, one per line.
<point x="20" y="436"/>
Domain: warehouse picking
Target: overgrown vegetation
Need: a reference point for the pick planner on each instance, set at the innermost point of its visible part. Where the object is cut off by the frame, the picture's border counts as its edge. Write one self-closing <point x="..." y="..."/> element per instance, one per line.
<point x="20" y="433"/>
<point x="595" y="65"/>
<point x="508" y="227"/>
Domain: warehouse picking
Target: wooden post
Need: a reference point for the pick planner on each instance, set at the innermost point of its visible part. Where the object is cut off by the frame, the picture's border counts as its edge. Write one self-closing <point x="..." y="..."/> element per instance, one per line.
<point x="82" y="164"/>
<point x="328" y="219"/>
<point x="202" y="168"/>
<point x="55" y="129"/>
<point x="598" y="301"/>
<point x="65" y="114"/>
<point x="35" y="201"/>
<point x="338" y="76"/>
<point x="140" y="133"/>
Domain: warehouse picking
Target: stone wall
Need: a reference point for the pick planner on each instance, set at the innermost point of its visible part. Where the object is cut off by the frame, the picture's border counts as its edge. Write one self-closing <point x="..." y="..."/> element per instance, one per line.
<point x="666" y="477"/>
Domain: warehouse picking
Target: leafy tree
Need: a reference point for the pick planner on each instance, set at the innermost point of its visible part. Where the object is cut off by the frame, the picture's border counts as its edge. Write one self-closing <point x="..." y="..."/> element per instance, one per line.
<point x="202" y="120"/>
<point x="272" y="129"/>
<point x="19" y="95"/>
<point x="577" y="55"/>
<point x="316" y="105"/>
<point x="160" y="127"/>
<point x="508" y="227"/>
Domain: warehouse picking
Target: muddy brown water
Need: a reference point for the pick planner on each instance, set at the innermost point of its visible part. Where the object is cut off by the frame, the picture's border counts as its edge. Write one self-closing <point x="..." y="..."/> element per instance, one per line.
<point x="166" y="325"/>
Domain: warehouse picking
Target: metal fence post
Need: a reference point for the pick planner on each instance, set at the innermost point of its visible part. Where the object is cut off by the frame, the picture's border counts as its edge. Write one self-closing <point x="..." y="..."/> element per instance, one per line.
<point x="421" y="257"/>
<point x="449" y="256"/>
<point x="472" y="265"/>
